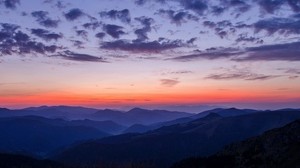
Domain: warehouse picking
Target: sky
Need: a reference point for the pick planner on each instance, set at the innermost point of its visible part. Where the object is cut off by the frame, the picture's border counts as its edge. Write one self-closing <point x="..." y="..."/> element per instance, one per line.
<point x="150" y="53"/>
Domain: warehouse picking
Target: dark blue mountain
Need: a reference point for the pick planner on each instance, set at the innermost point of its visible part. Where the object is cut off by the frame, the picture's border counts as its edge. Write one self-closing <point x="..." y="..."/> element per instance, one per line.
<point x="39" y="136"/>
<point x="166" y="145"/>
<point x="275" y="148"/>
<point x="138" y="116"/>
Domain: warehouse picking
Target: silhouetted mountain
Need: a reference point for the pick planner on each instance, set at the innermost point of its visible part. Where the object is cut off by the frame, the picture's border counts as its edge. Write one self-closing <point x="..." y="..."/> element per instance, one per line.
<point x="164" y="146"/>
<point x="278" y="148"/>
<point x="39" y="136"/>
<point x="20" y="161"/>
<point x="104" y="126"/>
<point x="138" y="116"/>
<point x="222" y="112"/>
<point x="65" y="112"/>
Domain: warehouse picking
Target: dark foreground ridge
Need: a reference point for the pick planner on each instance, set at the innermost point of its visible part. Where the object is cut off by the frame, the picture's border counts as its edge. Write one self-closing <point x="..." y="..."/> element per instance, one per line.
<point x="277" y="148"/>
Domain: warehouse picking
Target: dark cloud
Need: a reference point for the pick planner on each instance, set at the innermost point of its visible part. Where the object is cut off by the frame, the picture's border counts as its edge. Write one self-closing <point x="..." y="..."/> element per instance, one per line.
<point x="235" y="73"/>
<point x="45" y="34"/>
<point x="14" y="41"/>
<point x="294" y="4"/>
<point x="11" y="4"/>
<point x="148" y="47"/>
<point x="280" y="25"/>
<point x="78" y="44"/>
<point x="82" y="33"/>
<point x="246" y="38"/>
<point x="243" y="76"/>
<point x="142" y="32"/>
<point x="270" y="6"/>
<point x="74" y="14"/>
<point x="198" y="6"/>
<point x="178" y="17"/>
<point x="92" y="25"/>
<point x="275" y="52"/>
<point x="211" y="53"/>
<point x="192" y="40"/>
<point x="114" y="31"/>
<point x="100" y="35"/>
<point x="169" y="82"/>
<point x="122" y="15"/>
<point x="43" y="19"/>
<point x="69" y="55"/>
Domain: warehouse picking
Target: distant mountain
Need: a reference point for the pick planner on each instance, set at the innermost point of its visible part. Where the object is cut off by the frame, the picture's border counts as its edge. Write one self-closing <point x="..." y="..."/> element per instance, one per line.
<point x="139" y="128"/>
<point x="278" y="148"/>
<point x="138" y="116"/>
<point x="166" y="145"/>
<point x="20" y="161"/>
<point x="38" y="136"/>
<point x="65" y="112"/>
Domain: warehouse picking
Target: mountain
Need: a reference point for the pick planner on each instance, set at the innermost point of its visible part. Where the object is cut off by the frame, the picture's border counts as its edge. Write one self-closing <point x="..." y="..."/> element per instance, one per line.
<point x="66" y="112"/>
<point x="278" y="148"/>
<point x="166" y="145"/>
<point x="38" y="136"/>
<point x="223" y="112"/>
<point x="137" y="116"/>
<point x="20" y="161"/>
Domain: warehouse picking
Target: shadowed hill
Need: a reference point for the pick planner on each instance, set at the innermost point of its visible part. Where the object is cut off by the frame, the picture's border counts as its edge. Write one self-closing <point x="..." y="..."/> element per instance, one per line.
<point x="278" y="148"/>
<point x="164" y="146"/>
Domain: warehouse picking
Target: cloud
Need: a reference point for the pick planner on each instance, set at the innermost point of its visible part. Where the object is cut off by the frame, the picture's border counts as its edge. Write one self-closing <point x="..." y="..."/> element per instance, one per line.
<point x="92" y="25"/>
<point x="198" y="6"/>
<point x="45" y="34"/>
<point x="43" y="19"/>
<point x="122" y="15"/>
<point x="69" y="55"/>
<point x="82" y="33"/>
<point x="281" y="25"/>
<point x="146" y="47"/>
<point x="74" y="14"/>
<point x="270" y="6"/>
<point x="245" y="38"/>
<point x="169" y="82"/>
<point x="275" y="52"/>
<point x="100" y="35"/>
<point x="211" y="53"/>
<point x="239" y="74"/>
<point x="15" y="41"/>
<point x="114" y="31"/>
<point x="142" y="32"/>
<point x="178" y="17"/>
<point x="11" y="4"/>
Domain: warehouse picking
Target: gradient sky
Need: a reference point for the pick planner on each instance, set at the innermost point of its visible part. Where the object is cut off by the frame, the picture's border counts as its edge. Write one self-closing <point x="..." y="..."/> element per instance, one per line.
<point x="150" y="53"/>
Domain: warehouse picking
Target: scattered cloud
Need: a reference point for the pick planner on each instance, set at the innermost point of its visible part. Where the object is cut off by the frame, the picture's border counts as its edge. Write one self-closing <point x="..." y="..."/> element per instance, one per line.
<point x="284" y="26"/>
<point x="122" y="15"/>
<point x="43" y="19"/>
<point x="142" y="32"/>
<point x="69" y="55"/>
<point x="11" y="4"/>
<point x="274" y="52"/>
<point x="178" y="17"/>
<point x="74" y="14"/>
<point x="18" y="42"/>
<point x="239" y="74"/>
<point x="156" y="46"/>
<point x="114" y="31"/>
<point x="169" y="82"/>
<point x="45" y="34"/>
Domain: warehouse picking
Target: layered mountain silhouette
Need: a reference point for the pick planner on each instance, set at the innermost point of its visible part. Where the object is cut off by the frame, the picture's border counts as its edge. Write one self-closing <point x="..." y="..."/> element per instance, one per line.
<point x="21" y="161"/>
<point x="278" y="148"/>
<point x="168" y="144"/>
<point x="38" y="136"/>
<point x="131" y="117"/>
